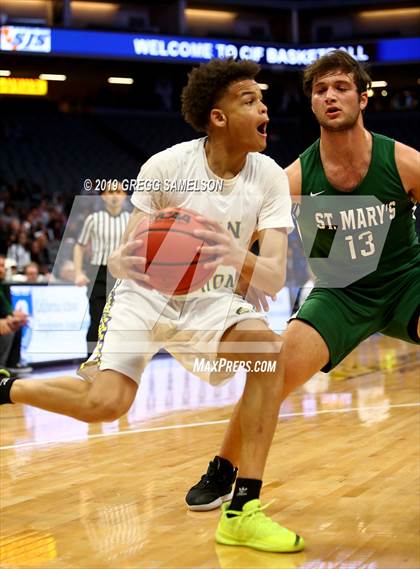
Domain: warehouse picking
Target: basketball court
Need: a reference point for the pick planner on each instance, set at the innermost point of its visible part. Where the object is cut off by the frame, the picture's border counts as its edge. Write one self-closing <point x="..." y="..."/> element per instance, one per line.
<point x="343" y="471"/>
<point x="91" y="92"/>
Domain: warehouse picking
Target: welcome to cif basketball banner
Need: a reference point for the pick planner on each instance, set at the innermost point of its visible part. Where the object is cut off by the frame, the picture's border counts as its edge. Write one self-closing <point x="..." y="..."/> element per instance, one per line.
<point x="23" y="39"/>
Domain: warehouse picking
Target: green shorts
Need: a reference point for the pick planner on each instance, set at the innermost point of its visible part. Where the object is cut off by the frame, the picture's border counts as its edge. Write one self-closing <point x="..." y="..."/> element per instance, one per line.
<point x="345" y="317"/>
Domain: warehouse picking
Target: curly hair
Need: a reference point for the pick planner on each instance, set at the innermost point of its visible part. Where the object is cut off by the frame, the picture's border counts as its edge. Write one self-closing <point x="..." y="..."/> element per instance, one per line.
<point x="336" y="60"/>
<point x="207" y="83"/>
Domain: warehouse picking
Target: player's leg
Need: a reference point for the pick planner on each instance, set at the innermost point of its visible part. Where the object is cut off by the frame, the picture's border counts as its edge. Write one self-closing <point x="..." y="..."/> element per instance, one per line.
<point x="108" y="397"/>
<point x="305" y="353"/>
<point x="404" y="320"/>
<point x="112" y="373"/>
<point x="216" y="485"/>
<point x="329" y="325"/>
<point x="262" y="392"/>
<point x="243" y="521"/>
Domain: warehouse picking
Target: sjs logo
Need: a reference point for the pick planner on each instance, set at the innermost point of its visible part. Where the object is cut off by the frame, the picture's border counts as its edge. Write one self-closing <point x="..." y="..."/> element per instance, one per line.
<point x="19" y="38"/>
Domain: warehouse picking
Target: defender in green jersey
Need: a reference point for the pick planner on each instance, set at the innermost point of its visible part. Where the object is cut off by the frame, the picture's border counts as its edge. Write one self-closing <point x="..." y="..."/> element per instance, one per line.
<point x="351" y="301"/>
<point x="356" y="192"/>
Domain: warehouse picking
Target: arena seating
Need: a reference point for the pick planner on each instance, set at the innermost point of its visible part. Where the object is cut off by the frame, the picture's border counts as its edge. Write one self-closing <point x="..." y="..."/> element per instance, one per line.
<point x="58" y="151"/>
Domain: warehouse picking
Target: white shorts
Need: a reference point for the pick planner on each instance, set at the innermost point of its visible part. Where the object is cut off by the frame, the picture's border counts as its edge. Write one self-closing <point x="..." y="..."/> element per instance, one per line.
<point x="137" y="323"/>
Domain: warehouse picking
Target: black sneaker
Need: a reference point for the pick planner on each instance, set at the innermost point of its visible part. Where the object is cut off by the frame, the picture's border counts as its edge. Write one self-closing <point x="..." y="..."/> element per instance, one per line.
<point x="214" y="488"/>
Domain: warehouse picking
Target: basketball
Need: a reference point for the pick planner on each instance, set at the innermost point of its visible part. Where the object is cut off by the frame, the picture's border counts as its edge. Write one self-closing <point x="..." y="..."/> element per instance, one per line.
<point x="173" y="262"/>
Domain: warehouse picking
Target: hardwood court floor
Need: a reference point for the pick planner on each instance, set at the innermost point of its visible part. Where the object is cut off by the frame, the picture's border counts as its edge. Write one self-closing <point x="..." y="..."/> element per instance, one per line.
<point x="344" y="472"/>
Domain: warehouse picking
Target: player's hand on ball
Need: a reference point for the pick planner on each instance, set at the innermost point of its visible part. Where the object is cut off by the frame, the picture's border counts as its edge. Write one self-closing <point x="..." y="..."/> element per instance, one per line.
<point x="224" y="247"/>
<point x="125" y="264"/>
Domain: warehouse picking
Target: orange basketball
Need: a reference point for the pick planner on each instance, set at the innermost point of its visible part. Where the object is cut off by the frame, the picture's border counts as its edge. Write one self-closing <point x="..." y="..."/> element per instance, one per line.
<point x="173" y="262"/>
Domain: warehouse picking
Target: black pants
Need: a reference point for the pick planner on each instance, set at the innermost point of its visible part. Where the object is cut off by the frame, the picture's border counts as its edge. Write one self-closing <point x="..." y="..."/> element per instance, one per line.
<point x="10" y="349"/>
<point x="98" y="291"/>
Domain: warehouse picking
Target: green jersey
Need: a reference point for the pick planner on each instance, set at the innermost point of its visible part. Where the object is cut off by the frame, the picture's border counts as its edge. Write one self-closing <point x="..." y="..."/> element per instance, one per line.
<point x="362" y="237"/>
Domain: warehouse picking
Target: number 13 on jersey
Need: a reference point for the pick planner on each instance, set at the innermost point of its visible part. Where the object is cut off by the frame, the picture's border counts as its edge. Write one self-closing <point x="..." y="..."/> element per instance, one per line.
<point x="364" y="245"/>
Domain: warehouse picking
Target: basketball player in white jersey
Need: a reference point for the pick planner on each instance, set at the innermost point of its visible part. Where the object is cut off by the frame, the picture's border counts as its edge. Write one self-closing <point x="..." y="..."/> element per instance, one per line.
<point x="223" y="100"/>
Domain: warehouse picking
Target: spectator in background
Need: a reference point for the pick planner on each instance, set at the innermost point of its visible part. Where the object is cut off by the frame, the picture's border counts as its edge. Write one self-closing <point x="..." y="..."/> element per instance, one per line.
<point x="11" y="269"/>
<point x="32" y="274"/>
<point x="26" y="208"/>
<point x="19" y="251"/>
<point x="40" y="253"/>
<point x="56" y="223"/>
<point x="67" y="273"/>
<point x="11" y="324"/>
<point x="104" y="230"/>
<point x="3" y="236"/>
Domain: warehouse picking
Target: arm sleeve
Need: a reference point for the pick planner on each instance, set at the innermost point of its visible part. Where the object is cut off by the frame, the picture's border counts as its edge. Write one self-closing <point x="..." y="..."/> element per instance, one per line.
<point x="276" y="209"/>
<point x="86" y="231"/>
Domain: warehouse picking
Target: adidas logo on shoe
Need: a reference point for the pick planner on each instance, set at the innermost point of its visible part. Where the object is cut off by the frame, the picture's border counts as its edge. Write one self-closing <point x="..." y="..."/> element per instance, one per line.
<point x="242" y="491"/>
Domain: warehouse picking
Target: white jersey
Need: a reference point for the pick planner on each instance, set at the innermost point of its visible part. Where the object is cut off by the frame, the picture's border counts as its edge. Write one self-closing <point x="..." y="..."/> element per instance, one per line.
<point x="257" y="198"/>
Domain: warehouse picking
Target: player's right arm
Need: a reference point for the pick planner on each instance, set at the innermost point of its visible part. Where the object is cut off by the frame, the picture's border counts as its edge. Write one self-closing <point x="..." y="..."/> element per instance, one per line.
<point x="408" y="164"/>
<point x="123" y="263"/>
<point x="294" y="173"/>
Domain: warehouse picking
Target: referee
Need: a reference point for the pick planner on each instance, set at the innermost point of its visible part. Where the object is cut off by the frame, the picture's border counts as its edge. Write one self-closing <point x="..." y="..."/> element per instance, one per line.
<point x="104" y="230"/>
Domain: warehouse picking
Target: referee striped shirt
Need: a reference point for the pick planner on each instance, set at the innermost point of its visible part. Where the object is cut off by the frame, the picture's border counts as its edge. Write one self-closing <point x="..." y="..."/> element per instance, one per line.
<point x="105" y="232"/>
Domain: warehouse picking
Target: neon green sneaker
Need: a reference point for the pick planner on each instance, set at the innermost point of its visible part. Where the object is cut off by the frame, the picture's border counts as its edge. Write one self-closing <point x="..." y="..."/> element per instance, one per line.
<point x="252" y="528"/>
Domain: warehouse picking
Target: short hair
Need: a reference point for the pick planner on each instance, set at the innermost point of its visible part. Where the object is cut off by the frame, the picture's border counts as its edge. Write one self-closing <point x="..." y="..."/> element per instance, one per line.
<point x="112" y="186"/>
<point x="338" y="60"/>
<point x="207" y="83"/>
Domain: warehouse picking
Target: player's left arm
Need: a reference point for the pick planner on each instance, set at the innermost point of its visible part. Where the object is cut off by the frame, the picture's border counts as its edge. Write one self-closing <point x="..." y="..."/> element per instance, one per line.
<point x="407" y="160"/>
<point x="266" y="272"/>
<point x="254" y="296"/>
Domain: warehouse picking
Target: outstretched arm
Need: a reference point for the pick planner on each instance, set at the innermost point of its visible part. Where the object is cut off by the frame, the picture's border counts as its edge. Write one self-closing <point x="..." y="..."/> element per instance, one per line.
<point x="408" y="164"/>
<point x="294" y="173"/>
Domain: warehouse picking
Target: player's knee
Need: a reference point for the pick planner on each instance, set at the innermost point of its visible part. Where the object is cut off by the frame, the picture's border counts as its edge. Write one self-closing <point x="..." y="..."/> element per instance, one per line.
<point x="267" y="358"/>
<point x="263" y="344"/>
